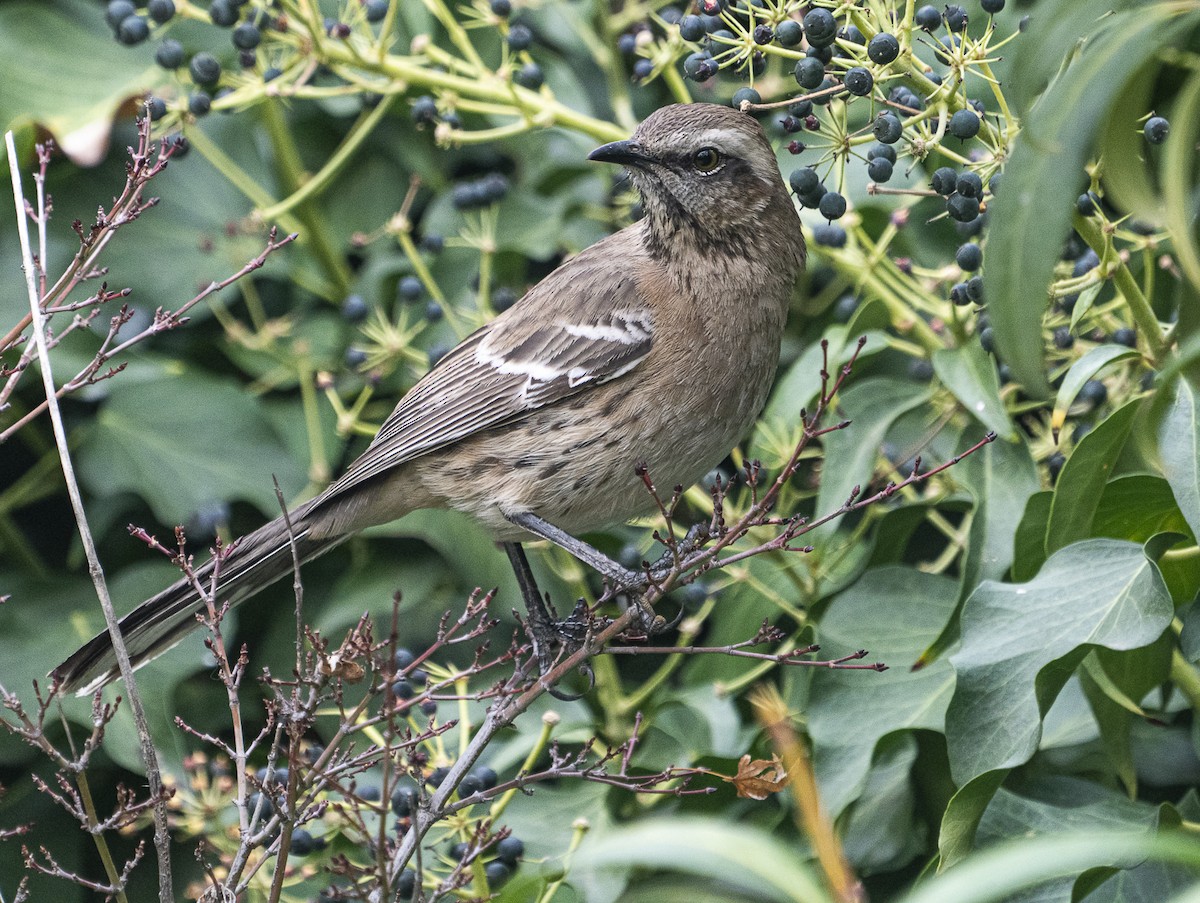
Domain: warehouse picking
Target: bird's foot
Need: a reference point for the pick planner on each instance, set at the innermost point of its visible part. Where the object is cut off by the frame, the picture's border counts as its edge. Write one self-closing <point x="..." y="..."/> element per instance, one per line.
<point x="554" y="638"/>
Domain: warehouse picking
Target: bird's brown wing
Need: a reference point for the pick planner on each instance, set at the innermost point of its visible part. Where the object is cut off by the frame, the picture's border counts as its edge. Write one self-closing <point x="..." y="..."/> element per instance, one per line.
<point x="578" y="328"/>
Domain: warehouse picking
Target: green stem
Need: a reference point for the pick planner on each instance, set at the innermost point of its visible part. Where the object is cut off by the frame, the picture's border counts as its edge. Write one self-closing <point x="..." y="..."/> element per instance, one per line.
<point x="549" y="721"/>
<point x="1139" y="306"/>
<point x="290" y="167"/>
<point x="333" y="166"/>
<point x="89" y="807"/>
<point x="1186" y="678"/>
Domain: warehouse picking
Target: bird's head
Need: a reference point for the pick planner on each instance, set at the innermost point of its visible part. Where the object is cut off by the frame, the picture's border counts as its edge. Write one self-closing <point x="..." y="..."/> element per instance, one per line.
<point x="702" y="169"/>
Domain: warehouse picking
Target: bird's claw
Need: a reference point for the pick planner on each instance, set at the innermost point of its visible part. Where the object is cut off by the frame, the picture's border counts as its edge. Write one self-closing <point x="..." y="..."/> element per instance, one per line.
<point x="553" y="638"/>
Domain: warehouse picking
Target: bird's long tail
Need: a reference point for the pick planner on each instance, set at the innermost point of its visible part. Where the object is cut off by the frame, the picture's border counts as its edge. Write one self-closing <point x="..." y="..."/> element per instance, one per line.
<point x="254" y="562"/>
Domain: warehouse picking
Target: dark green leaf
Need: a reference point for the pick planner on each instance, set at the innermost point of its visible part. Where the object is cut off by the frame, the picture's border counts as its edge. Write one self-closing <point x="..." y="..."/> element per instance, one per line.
<point x="1029" y="543"/>
<point x="1081" y="482"/>
<point x="1179" y="446"/>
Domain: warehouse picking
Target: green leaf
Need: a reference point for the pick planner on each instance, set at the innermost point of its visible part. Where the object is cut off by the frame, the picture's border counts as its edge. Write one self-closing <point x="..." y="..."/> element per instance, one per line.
<point x="1137" y="507"/>
<point x="1081" y="481"/>
<point x="1044" y="173"/>
<point x="1081" y="371"/>
<point x="1179" y="447"/>
<point x="960" y="821"/>
<point x="1100" y="592"/>
<point x="1002" y="478"/>
<point x="60" y="70"/>
<point x="969" y="373"/>
<point x="850" y="712"/>
<point x="741" y="856"/>
<point x="1029" y="543"/>
<point x="1083" y="304"/>
<point x="997" y="874"/>
<point x="185" y="441"/>
<point x="1125" y="174"/>
<point x="872" y="405"/>
<point x="881" y="832"/>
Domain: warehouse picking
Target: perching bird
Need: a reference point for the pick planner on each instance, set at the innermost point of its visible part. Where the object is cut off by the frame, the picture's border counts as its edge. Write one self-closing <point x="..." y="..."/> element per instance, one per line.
<point x="656" y="346"/>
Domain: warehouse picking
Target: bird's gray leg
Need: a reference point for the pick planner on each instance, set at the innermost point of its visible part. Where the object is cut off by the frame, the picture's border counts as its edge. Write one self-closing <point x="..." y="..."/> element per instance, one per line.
<point x="620" y="577"/>
<point x="546" y="632"/>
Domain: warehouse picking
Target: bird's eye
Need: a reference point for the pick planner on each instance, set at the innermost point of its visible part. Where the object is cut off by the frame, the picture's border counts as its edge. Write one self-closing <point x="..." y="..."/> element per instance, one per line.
<point x="707" y="159"/>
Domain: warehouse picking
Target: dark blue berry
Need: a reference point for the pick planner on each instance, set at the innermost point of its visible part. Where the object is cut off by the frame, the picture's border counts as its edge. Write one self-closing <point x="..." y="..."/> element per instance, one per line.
<point x="851" y="35"/>
<point x="1063" y="340"/>
<point x="829" y="235"/>
<point x="975" y="289"/>
<point x="883" y="48"/>
<point x="156" y="108"/>
<point x="502" y="8"/>
<point x="763" y="34"/>
<point x="882" y="150"/>
<point x="503" y="298"/>
<point x="355" y="358"/>
<point x="529" y="76"/>
<point x="1156" y="129"/>
<point x="169" y="54"/>
<point x="133" y="30"/>
<point x="969" y="184"/>
<point x="804" y="180"/>
<point x="161" y="11"/>
<point x="437" y="776"/>
<point x="789" y="33"/>
<point x="693" y="63"/>
<point x="969" y="257"/>
<point x="820" y="26"/>
<point x="824" y="99"/>
<point x="962" y="208"/>
<point x="832" y="205"/>
<point x="497" y="873"/>
<point x="303" y="843"/>
<point x="858" y="81"/>
<point x="486" y="777"/>
<point x="809" y="72"/>
<point x="204" y="69"/>
<point x="1086" y="262"/>
<point x="433" y="242"/>
<point x="642" y="70"/>
<point x="519" y="37"/>
<point x="429" y="707"/>
<point x="987" y="339"/>
<point x="956" y="17"/>
<point x="402" y="689"/>
<point x="991" y="7"/>
<point x="1125" y="336"/>
<point x="928" y="18"/>
<point x="510" y="849"/>
<point x="880" y="169"/>
<point x="404" y="800"/>
<point x="246" y="36"/>
<point x="117" y="12"/>
<point x="964" y="124"/>
<point x="943" y="180"/>
<point x="434" y="312"/>
<point x="459" y="851"/>
<point x="1093" y="393"/>
<point x="691" y="28"/>
<point x="626" y="43"/>
<point x="745" y="94"/>
<point x="1054" y="465"/>
<point x="223" y="13"/>
<point x="406" y="884"/>
<point x="887" y="128"/>
<point x="920" y="370"/>
<point x="959" y="295"/>
<point x="424" y="110"/>
<point x="271" y="73"/>
<point x="844" y="308"/>
<point x="1088" y="203"/>
<point x="355" y="309"/>
<point x="409" y="288"/>
<point x="375" y="10"/>
<point x="199" y="103"/>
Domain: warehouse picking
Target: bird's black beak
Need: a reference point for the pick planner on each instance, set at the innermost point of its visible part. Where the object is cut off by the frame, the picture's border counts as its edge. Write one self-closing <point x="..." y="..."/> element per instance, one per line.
<point x="626" y="153"/>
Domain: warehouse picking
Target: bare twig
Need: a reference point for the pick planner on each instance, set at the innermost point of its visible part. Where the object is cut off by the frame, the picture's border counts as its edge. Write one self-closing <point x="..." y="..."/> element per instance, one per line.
<point x="146" y="744"/>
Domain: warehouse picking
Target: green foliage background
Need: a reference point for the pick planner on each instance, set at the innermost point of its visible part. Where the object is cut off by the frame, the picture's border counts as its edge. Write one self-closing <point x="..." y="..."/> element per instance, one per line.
<point x="1053" y="623"/>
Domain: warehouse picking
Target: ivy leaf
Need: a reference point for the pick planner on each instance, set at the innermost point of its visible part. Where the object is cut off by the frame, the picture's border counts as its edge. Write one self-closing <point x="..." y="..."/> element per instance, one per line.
<point x="1179" y="446"/>
<point x="1021" y="641"/>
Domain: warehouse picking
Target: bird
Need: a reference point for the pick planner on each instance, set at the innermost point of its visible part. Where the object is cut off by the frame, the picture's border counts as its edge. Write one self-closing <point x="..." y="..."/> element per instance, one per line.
<point x="654" y="348"/>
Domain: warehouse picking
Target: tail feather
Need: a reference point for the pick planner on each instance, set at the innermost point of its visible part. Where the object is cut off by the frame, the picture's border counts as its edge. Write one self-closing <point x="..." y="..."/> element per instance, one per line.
<point x="253" y="563"/>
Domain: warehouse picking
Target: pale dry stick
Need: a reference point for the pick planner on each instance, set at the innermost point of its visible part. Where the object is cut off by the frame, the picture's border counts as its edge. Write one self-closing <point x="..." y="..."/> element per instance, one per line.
<point x="149" y="756"/>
